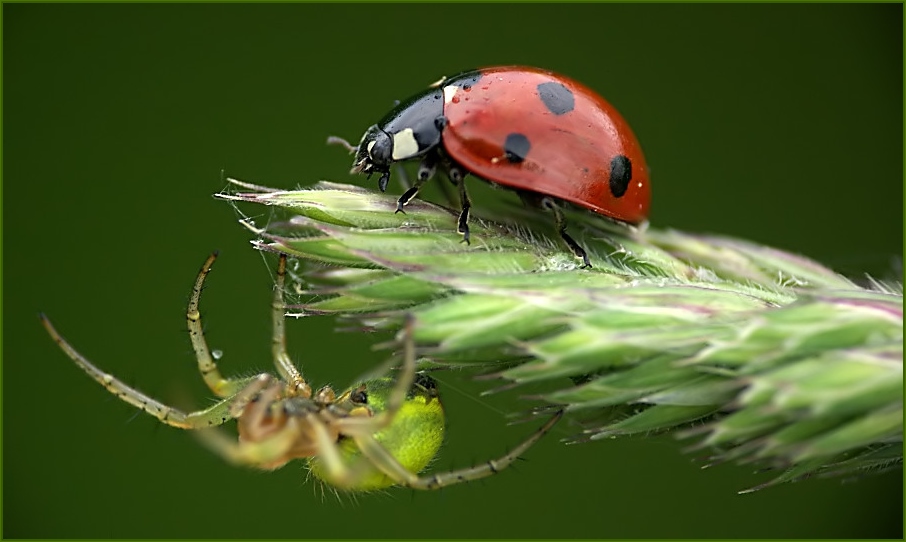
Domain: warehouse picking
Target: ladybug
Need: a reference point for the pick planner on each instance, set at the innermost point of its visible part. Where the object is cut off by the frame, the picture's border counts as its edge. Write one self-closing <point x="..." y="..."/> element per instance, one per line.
<point x="544" y="135"/>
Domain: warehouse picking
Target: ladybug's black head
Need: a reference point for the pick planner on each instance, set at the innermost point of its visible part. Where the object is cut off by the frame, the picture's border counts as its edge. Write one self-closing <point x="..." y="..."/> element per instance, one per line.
<point x="374" y="152"/>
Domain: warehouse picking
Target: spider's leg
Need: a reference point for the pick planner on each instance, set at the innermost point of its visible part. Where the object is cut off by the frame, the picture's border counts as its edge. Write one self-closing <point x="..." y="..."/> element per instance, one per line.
<point x="215" y="415"/>
<point x="270" y="453"/>
<point x="222" y="387"/>
<point x="254" y="408"/>
<point x="383" y="460"/>
<point x="249" y="394"/>
<point x="371" y="425"/>
<point x="329" y="454"/>
<point x="296" y="385"/>
<point x="339" y="471"/>
<point x="212" y="416"/>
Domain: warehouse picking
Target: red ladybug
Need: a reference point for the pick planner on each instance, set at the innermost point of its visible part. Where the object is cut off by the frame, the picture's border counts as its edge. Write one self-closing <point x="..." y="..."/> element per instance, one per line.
<point x="545" y="136"/>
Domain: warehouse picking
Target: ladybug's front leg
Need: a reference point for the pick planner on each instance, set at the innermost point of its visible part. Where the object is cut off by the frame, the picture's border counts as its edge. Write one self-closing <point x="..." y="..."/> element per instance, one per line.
<point x="384" y="180"/>
<point x="426" y="170"/>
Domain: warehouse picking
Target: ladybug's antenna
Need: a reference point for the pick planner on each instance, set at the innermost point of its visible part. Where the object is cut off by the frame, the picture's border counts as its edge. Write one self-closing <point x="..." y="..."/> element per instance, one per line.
<point x="334" y="140"/>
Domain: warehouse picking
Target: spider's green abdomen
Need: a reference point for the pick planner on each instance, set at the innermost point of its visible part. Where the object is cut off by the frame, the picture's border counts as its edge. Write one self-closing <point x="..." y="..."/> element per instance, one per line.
<point x="413" y="438"/>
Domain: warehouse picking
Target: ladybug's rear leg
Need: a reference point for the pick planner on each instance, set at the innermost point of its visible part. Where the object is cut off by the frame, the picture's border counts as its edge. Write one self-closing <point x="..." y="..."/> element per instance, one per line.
<point x="426" y="170"/>
<point x="560" y="220"/>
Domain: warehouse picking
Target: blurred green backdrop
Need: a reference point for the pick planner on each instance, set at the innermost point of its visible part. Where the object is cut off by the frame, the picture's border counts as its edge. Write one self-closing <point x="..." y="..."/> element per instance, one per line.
<point x="778" y="123"/>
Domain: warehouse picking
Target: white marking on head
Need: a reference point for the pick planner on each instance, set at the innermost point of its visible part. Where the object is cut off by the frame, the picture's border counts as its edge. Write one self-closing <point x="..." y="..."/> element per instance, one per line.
<point x="404" y="144"/>
<point x="449" y="92"/>
<point x="370" y="146"/>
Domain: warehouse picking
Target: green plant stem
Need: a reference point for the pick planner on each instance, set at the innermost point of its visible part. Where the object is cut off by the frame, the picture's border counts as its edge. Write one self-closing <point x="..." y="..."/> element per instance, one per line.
<point x="762" y="356"/>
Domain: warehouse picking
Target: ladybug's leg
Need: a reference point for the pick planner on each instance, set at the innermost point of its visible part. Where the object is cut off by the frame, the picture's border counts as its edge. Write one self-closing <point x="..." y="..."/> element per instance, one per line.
<point x="384" y="180"/>
<point x="560" y="220"/>
<point x="426" y="170"/>
<point x="427" y="167"/>
<point x="458" y="176"/>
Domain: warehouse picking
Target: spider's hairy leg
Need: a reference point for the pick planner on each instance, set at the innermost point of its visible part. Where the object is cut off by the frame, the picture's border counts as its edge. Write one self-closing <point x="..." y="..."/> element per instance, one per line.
<point x="379" y="456"/>
<point x="397" y="395"/>
<point x="249" y="393"/>
<point x="270" y="429"/>
<point x="214" y="415"/>
<point x="267" y="435"/>
<point x="296" y="385"/>
<point x="222" y="387"/>
<point x="271" y="453"/>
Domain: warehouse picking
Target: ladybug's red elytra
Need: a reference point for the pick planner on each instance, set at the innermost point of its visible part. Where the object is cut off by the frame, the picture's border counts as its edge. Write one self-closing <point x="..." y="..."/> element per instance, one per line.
<point x="544" y="135"/>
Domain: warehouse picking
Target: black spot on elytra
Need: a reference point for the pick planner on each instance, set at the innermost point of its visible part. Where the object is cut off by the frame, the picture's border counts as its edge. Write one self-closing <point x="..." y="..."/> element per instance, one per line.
<point x="557" y="98"/>
<point x="620" y="175"/>
<point x="516" y="147"/>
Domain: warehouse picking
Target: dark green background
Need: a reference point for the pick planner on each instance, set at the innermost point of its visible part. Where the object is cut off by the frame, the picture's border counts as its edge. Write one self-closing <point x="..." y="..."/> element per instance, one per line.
<point x="777" y="123"/>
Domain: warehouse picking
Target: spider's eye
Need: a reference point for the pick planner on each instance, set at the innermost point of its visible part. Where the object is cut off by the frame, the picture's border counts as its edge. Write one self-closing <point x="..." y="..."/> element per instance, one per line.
<point x="359" y="396"/>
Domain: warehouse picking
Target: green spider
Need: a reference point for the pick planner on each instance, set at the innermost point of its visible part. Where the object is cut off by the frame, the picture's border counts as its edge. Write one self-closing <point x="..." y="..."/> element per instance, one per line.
<point x="372" y="436"/>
